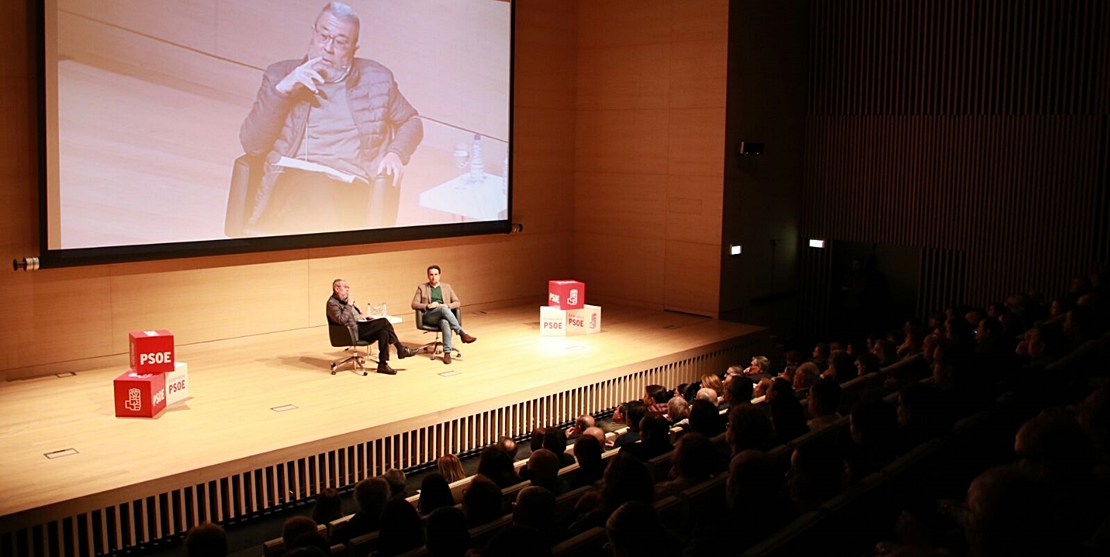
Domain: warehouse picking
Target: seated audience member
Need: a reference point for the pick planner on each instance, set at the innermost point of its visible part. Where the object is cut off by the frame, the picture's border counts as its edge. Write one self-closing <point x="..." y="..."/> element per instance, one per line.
<point x="886" y="351"/>
<point x="450" y="468"/>
<point x="820" y="357"/>
<point x="555" y="440"/>
<point x="695" y="460"/>
<point x="342" y="310"/>
<point x="707" y="394"/>
<point x="401" y="530"/>
<point x="294" y="528"/>
<point x="1013" y="511"/>
<point x="634" y="413"/>
<point x="816" y="474"/>
<point x="690" y="392"/>
<point x="823" y="401"/>
<point x="793" y="360"/>
<point x="912" y="342"/>
<point x="805" y="376"/>
<point x="328" y="507"/>
<point x="738" y="390"/>
<point x="434" y="493"/>
<point x="396" y="479"/>
<point x="447" y="534"/>
<point x="759" y="368"/>
<point x="705" y="418"/>
<point x="495" y="465"/>
<point x="655" y="398"/>
<point x="874" y="427"/>
<point x="206" y="540"/>
<point x="481" y="501"/>
<point x="581" y="424"/>
<point x="753" y="493"/>
<point x="715" y="383"/>
<point x="509" y="446"/>
<point x="841" y="367"/>
<point x="436" y="299"/>
<point x="654" y="438"/>
<point x="867" y="363"/>
<point x="587" y="451"/>
<point x="919" y="419"/>
<point x="627" y="478"/>
<point x="749" y="427"/>
<point x="543" y="467"/>
<point x="370" y="495"/>
<point x="535" y="508"/>
<point x="635" y="529"/>
<point x="788" y="418"/>
<point x="678" y="410"/>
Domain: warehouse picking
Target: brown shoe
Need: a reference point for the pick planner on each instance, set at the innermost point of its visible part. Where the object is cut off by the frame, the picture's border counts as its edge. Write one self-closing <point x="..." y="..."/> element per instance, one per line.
<point x="467" y="339"/>
<point x="447" y="357"/>
<point x="384" y="369"/>
<point x="404" y="352"/>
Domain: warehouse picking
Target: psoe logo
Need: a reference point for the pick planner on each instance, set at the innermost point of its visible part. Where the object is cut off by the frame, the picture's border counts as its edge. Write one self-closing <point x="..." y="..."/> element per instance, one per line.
<point x="134" y="400"/>
<point x="159" y="397"/>
<point x="576" y="322"/>
<point x="572" y="298"/>
<point x="150" y="333"/>
<point x="553" y="298"/>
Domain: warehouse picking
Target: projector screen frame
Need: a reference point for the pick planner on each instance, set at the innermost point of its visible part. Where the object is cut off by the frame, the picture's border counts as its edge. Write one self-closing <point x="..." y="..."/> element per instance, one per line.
<point x="71" y="257"/>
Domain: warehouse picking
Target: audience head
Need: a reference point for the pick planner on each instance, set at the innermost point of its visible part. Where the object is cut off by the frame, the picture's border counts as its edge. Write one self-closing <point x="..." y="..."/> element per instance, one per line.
<point x="296" y="527"/>
<point x="509" y="446"/>
<point x="806" y="375"/>
<point x="584" y="422"/>
<point x="1054" y="440"/>
<point x="841" y="366"/>
<point x="917" y="406"/>
<point x="536" y="439"/>
<point x="695" y="458"/>
<point x="495" y="465"/>
<point x="867" y="363"/>
<point x="206" y="540"/>
<point x="481" y="501"/>
<point x="634" y="529"/>
<point x="707" y="394"/>
<point x="656" y="394"/>
<point x="752" y="481"/>
<point x="705" y="418"/>
<point x="555" y="440"/>
<point x="401" y="530"/>
<point x="738" y="389"/>
<point x="450" y="468"/>
<point x="821" y="351"/>
<point x="788" y="418"/>
<point x="1011" y="510"/>
<point x="713" y="382"/>
<point x="678" y="409"/>
<point x="328" y="507"/>
<point x="824" y="397"/>
<point x="816" y="471"/>
<point x="654" y="428"/>
<point x="634" y="413"/>
<point x="588" y="453"/>
<point x="371" y="495"/>
<point x="596" y="433"/>
<point x="749" y="427"/>
<point x="780" y="387"/>
<point x="543" y="467"/>
<point x="434" y="493"/>
<point x="535" y="508"/>
<point x="627" y="478"/>
<point x="448" y="535"/>
<point x="396" y="479"/>
<point x="691" y="391"/>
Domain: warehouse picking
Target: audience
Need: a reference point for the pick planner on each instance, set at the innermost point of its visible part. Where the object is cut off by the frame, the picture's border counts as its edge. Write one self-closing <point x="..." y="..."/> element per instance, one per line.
<point x="450" y="468"/>
<point x="824" y="400"/>
<point x="370" y="495"/>
<point x="328" y="507"/>
<point x="496" y="465"/>
<point x="401" y="529"/>
<point x="695" y="460"/>
<point x="634" y="413"/>
<point x="587" y="451"/>
<point x="654" y="438"/>
<point x="481" y="501"/>
<point x="447" y="533"/>
<point x="396" y="479"/>
<point x="295" y="528"/>
<point x="634" y="529"/>
<point x="206" y="540"/>
<point x="434" y="493"/>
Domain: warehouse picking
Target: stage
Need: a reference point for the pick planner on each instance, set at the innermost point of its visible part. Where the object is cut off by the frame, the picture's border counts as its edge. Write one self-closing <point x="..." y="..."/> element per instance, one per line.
<point x="266" y="423"/>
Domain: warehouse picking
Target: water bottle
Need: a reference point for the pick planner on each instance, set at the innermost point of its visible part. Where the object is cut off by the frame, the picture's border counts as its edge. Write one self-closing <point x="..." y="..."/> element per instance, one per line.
<point x="477" y="168"/>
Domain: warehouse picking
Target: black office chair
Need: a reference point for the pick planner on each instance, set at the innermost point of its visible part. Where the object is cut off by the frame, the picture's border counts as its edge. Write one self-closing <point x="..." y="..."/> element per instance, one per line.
<point x="437" y="345"/>
<point x="341" y="337"/>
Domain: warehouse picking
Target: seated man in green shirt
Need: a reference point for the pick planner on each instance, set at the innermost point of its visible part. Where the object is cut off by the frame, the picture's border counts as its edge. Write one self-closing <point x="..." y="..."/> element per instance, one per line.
<point x="437" y="299"/>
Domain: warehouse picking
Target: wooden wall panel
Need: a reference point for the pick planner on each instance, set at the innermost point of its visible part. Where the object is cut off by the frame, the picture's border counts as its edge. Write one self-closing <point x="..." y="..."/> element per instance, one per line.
<point x="650" y="121"/>
<point x="974" y="130"/>
<point x="77" y="318"/>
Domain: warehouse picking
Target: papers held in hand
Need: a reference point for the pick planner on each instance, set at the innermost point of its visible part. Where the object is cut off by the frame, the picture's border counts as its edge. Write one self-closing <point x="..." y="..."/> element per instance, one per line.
<point x="315" y="167"/>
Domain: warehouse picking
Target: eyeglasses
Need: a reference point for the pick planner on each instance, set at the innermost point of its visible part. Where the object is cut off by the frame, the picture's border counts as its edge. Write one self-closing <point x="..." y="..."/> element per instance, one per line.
<point x="340" y="42"/>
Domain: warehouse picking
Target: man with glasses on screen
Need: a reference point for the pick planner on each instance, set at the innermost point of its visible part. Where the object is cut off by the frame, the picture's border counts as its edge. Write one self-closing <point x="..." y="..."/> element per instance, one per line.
<point x="336" y="133"/>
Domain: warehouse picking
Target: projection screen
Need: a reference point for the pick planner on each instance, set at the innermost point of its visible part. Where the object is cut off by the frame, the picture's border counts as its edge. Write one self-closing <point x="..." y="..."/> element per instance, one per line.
<point x="190" y="127"/>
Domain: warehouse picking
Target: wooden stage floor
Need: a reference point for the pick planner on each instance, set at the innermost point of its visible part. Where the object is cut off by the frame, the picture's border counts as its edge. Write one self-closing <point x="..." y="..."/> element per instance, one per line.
<point x="230" y="437"/>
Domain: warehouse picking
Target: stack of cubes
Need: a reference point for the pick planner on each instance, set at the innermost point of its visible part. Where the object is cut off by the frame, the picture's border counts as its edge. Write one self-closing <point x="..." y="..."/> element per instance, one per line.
<point x="155" y="380"/>
<point x="566" y="312"/>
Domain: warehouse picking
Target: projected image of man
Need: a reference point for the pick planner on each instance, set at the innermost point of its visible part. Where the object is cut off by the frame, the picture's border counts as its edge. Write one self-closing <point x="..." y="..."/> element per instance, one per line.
<point x="336" y="133"/>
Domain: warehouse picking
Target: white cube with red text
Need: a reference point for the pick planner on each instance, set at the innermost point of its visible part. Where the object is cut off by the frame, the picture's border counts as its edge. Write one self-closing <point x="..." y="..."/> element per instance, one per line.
<point x="151" y="351"/>
<point x="566" y="294"/>
<point x="585" y="321"/>
<point x="177" y="383"/>
<point x="553" y="321"/>
<point x="140" y="395"/>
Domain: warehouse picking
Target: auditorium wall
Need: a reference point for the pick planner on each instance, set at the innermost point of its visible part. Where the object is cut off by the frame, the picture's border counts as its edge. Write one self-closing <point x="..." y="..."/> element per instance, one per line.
<point x="71" y="319"/>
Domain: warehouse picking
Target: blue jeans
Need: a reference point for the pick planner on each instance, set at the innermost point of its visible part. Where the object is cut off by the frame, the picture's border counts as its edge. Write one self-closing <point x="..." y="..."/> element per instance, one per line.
<point x="444" y="318"/>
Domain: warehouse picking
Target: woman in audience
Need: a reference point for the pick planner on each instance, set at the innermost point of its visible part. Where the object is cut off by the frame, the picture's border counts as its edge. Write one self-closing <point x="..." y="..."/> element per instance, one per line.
<point x="677" y="411"/>
<point x="450" y="468"/>
<point x="496" y="465"/>
<point x="715" y="383"/>
<point x="434" y="493"/>
<point x="911" y="344"/>
<point x="886" y="351"/>
<point x="820" y="357"/>
<point x="841" y="366"/>
<point x="401" y="530"/>
<point x="329" y="506"/>
<point x="481" y="501"/>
